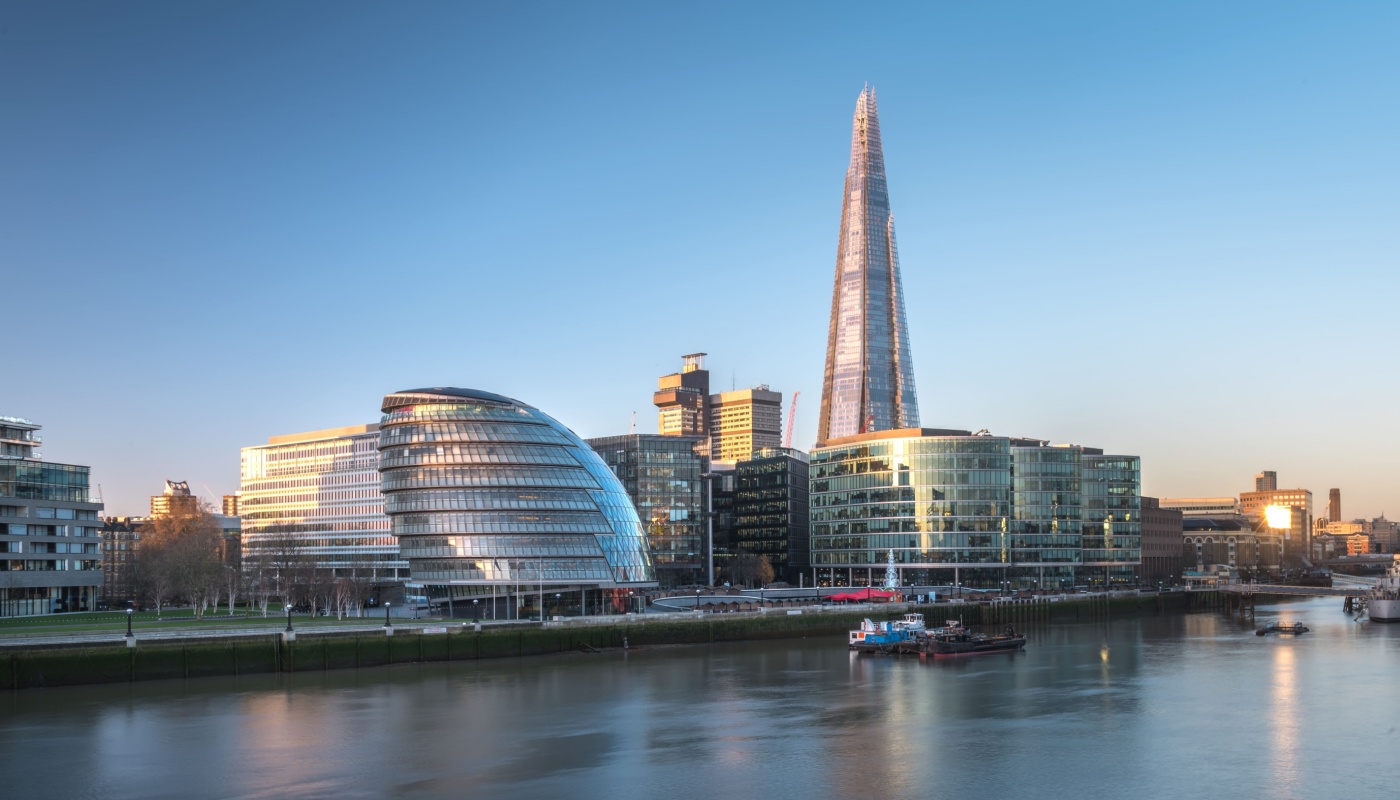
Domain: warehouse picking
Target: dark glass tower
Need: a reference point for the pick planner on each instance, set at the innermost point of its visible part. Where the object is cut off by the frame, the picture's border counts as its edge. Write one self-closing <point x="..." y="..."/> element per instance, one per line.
<point x="869" y="382"/>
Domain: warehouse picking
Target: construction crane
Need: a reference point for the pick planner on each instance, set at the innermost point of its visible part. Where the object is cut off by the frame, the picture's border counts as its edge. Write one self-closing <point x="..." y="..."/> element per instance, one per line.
<point x="792" y="420"/>
<point x="632" y="428"/>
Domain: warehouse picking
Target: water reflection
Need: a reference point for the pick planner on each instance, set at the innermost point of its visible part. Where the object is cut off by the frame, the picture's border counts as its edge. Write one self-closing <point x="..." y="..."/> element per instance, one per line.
<point x="1158" y="707"/>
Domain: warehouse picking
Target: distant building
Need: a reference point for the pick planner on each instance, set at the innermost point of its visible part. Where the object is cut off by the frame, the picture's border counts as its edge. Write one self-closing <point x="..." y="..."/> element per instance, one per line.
<point x="772" y="511"/>
<point x="1334" y="505"/>
<point x="1161" y="543"/>
<point x="1293" y="517"/>
<point x="1207" y="507"/>
<point x="121" y="539"/>
<point x="319" y="494"/>
<point x="1358" y="544"/>
<point x="661" y="474"/>
<point x="1229" y="542"/>
<point x="230" y="505"/>
<point x="49" y="530"/>
<point x="176" y="499"/>
<point x="1384" y="534"/>
<point x="1266" y="481"/>
<point x="681" y="399"/>
<point x="743" y="421"/>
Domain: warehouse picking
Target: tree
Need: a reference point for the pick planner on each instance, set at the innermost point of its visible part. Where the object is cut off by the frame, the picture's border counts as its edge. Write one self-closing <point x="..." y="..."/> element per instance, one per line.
<point x="746" y="568"/>
<point x="180" y="557"/>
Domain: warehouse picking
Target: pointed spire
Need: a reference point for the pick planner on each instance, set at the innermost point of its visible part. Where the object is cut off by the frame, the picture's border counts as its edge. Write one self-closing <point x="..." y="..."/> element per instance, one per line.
<point x="869" y="380"/>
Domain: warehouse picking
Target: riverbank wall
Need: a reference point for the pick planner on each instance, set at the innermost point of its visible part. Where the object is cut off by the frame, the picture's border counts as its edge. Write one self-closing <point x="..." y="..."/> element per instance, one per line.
<point x="207" y="657"/>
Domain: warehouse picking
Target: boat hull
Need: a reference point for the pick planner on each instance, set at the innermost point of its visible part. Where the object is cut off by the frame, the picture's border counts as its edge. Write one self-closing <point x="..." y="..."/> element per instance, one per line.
<point x="1383" y="610"/>
<point x="999" y="644"/>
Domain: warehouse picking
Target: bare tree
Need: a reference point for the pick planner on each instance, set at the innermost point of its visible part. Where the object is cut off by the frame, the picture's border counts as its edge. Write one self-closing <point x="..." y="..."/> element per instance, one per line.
<point x="746" y="569"/>
<point x="233" y="581"/>
<point x="179" y="556"/>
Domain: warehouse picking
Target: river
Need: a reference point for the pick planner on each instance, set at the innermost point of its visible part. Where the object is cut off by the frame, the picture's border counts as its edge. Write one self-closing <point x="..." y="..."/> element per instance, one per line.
<point x="1159" y="707"/>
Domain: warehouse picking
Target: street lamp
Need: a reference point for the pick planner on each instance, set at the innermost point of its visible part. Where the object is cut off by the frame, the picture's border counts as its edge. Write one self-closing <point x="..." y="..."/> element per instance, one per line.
<point x="387" y="623"/>
<point x="631" y="601"/>
<point x="556" y="600"/>
<point x="476" y="610"/>
<point x="128" y="623"/>
<point x="697" y="601"/>
<point x="289" y="617"/>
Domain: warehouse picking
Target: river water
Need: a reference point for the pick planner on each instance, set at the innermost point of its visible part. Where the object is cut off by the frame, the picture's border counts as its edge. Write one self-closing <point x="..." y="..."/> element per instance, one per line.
<point x="1159" y="707"/>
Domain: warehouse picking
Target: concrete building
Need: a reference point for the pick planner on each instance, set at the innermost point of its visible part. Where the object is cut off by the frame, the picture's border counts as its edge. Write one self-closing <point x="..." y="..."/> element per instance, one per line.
<point x="318" y="494"/>
<point x="230" y="505"/>
<point x="1231" y="543"/>
<point x="1291" y="515"/>
<point x="121" y="538"/>
<point x="743" y="421"/>
<point x="662" y="477"/>
<point x="977" y="510"/>
<point x="176" y="499"/>
<point x="1266" y="481"/>
<point x="681" y="399"/>
<point x="1334" y="505"/>
<point x="493" y="500"/>
<point x="1161" y="544"/>
<point x="772" y="511"/>
<point x="50" y="557"/>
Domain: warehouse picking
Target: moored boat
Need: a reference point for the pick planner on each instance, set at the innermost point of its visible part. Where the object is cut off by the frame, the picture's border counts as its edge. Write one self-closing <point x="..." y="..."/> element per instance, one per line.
<point x="955" y="640"/>
<point x="1383" y="599"/>
<point x="887" y="637"/>
<point x="1293" y="628"/>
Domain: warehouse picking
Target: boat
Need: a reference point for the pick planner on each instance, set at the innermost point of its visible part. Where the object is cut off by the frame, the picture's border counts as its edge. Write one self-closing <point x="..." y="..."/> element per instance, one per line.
<point x="1282" y="627"/>
<point x="955" y="640"/>
<point x="887" y="637"/>
<point x="1383" y="599"/>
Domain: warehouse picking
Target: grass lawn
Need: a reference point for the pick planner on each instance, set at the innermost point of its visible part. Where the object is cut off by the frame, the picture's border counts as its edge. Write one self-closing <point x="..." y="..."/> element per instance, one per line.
<point x="170" y="619"/>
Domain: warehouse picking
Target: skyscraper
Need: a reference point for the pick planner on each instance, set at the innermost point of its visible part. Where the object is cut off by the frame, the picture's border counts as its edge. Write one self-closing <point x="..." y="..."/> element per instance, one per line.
<point x="869" y="379"/>
<point x="1334" y="505"/>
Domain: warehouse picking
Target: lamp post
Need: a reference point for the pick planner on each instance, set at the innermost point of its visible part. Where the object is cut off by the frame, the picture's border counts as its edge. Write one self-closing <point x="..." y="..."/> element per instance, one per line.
<point x="556" y="600"/>
<point x="697" y="601"/>
<point x="476" y="610"/>
<point x="387" y="623"/>
<point x="631" y="600"/>
<point x="289" y="617"/>
<point x="128" y="623"/>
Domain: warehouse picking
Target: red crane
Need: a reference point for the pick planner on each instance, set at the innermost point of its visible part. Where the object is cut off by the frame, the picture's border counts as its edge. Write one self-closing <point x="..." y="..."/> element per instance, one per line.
<point x="792" y="419"/>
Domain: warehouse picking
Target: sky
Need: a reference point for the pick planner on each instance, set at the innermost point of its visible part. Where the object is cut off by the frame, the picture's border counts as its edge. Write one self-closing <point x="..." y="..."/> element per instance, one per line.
<point x="1163" y="229"/>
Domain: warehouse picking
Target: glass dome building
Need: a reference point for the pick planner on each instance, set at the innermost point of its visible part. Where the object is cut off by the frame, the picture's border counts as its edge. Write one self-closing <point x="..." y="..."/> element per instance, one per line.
<point x="502" y="511"/>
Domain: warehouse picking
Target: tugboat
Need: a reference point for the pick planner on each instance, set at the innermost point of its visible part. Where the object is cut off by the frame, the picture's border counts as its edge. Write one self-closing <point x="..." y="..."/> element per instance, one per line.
<point x="1292" y="628"/>
<point x="955" y="640"/>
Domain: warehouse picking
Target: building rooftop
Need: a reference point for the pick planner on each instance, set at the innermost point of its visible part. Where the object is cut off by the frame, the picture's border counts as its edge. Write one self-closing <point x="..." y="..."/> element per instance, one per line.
<point x="328" y="433"/>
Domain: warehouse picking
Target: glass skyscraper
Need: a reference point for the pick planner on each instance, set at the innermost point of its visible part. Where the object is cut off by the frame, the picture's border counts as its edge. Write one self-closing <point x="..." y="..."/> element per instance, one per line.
<point x="869" y="379"/>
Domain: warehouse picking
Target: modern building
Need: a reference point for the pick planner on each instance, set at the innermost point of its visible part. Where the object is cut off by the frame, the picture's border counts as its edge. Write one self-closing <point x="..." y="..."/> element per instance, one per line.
<point x="317" y="493"/>
<point x="743" y="421"/>
<point x="869" y="375"/>
<point x="121" y="539"/>
<point x="663" y="477"/>
<point x="230" y="505"/>
<point x="980" y="511"/>
<point x="49" y="541"/>
<point x="1203" y="507"/>
<point x="1288" y="511"/>
<point x="494" y="501"/>
<point x="1161" y="544"/>
<point x="772" y="512"/>
<point x="1334" y="505"/>
<point x="1266" y="481"/>
<point x="176" y="499"/>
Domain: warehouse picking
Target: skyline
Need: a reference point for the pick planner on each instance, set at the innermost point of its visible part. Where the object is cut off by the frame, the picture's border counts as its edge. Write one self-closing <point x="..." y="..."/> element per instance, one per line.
<point x="228" y="266"/>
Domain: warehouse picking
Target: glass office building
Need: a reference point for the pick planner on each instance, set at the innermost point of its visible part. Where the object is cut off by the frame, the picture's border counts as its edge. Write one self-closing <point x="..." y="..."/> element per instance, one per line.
<point x="662" y="476"/>
<point x="978" y="511"/>
<point x="771" y="514"/>
<point x="869" y="378"/>
<point x="50" y="557"/>
<point x="494" y="501"/>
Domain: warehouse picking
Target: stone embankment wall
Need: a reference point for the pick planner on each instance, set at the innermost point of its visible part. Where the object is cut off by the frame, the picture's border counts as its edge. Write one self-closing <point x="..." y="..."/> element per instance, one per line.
<point x="194" y="658"/>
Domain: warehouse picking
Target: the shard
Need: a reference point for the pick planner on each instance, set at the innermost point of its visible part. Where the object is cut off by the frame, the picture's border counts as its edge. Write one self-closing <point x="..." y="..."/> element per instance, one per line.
<point x="869" y="382"/>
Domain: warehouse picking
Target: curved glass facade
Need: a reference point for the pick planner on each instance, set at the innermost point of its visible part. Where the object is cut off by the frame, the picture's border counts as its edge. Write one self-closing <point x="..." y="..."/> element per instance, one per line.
<point x="490" y="496"/>
<point x="982" y="511"/>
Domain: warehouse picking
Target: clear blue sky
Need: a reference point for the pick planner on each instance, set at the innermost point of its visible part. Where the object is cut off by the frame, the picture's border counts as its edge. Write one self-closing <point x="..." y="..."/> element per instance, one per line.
<point x="1166" y="229"/>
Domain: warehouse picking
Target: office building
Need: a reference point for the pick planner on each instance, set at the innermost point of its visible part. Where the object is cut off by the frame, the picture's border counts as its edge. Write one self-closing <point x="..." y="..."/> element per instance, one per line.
<point x="1334" y="505"/>
<point x="1230" y="542"/>
<point x="1161" y="544"/>
<point x="976" y="510"/>
<point x="743" y="421"/>
<point x="772" y="513"/>
<point x="662" y="477"/>
<point x="681" y="399"/>
<point x="868" y="383"/>
<point x="494" y="501"/>
<point x="230" y="505"/>
<point x="1203" y="507"/>
<point x="50" y="557"/>
<point x="176" y="499"/>
<point x="730" y="425"/>
<point x="1291" y="516"/>
<point x="317" y="494"/>
<point x="1266" y="481"/>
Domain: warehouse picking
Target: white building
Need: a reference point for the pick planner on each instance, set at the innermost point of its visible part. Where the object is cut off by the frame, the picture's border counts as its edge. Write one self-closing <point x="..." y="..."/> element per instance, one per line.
<point x="319" y="491"/>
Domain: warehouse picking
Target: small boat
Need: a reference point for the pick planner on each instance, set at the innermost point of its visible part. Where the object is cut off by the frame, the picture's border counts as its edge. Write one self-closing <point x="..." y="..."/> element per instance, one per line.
<point x="955" y="640"/>
<point x="1282" y="627"/>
